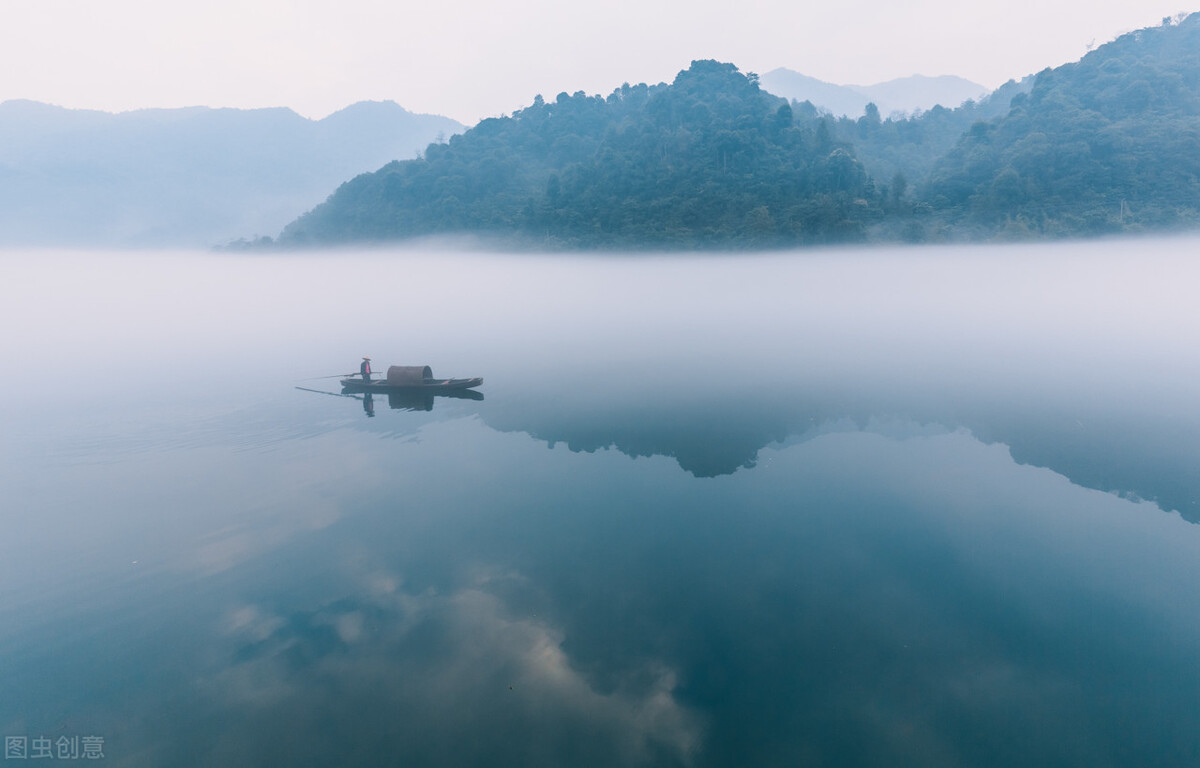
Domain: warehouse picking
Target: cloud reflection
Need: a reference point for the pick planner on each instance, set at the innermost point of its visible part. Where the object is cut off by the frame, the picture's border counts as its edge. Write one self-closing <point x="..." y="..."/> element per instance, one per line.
<point x="448" y="679"/>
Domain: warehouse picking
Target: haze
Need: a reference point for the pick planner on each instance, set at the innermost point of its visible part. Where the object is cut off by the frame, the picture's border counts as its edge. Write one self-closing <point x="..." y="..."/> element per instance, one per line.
<point x="477" y="59"/>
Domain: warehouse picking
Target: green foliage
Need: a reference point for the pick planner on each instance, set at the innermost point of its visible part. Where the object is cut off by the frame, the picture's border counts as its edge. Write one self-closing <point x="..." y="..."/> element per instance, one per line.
<point x="912" y="145"/>
<point x="1107" y="144"/>
<point x="709" y="160"/>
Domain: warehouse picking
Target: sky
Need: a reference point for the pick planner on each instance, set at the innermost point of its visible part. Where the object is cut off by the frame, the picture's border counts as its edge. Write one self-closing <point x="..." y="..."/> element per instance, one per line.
<point x="480" y="58"/>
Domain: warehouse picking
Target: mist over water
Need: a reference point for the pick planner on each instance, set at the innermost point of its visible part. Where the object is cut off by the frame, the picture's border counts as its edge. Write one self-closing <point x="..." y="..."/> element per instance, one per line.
<point x="905" y="506"/>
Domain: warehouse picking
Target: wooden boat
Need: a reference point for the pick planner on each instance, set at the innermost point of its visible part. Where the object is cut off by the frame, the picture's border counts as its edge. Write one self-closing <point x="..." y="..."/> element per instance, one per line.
<point x="408" y="377"/>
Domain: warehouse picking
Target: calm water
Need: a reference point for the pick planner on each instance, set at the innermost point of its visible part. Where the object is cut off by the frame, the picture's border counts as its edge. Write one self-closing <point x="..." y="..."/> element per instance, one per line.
<point x="900" y="507"/>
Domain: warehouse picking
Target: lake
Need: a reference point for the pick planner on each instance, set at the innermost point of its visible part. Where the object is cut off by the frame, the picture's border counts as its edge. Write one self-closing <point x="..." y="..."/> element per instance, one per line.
<point x="906" y="507"/>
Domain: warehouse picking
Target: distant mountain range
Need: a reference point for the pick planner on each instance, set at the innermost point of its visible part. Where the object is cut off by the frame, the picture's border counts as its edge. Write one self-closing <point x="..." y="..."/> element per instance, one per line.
<point x="186" y="177"/>
<point x="905" y="95"/>
<point x="717" y="158"/>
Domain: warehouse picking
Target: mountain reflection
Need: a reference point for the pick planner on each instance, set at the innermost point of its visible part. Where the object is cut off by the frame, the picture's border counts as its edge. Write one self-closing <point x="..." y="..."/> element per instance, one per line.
<point x="712" y="432"/>
<point x="1106" y="451"/>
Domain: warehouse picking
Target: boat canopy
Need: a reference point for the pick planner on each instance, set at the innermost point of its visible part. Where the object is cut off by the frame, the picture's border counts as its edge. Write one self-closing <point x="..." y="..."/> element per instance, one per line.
<point x="408" y="375"/>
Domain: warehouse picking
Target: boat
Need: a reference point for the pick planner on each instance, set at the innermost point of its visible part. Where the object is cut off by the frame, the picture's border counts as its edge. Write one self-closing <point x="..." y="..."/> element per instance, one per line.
<point x="417" y="378"/>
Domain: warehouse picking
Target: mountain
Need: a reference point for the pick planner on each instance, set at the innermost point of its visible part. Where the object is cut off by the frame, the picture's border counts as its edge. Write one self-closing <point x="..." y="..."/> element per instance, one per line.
<point x="1107" y="144"/>
<point x="928" y="115"/>
<point x="919" y="93"/>
<point x="834" y="99"/>
<point x="185" y="177"/>
<point x="906" y="94"/>
<point x="708" y="160"/>
<point x="910" y="146"/>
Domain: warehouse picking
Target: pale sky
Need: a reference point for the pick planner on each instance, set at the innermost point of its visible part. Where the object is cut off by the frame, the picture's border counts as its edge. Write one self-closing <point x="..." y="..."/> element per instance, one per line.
<point x="479" y="58"/>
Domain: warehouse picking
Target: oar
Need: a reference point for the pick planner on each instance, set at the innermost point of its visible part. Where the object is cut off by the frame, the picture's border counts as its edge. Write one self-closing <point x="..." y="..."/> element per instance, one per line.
<point x="335" y="376"/>
<point x="334" y="394"/>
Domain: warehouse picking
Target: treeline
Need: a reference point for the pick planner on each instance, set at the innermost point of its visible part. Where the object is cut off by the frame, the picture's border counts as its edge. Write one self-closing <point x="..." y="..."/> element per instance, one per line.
<point x="711" y="160"/>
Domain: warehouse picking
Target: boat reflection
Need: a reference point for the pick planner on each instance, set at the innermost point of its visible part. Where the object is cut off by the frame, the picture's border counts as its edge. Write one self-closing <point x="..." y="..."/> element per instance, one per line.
<point x="422" y="400"/>
<point x="403" y="399"/>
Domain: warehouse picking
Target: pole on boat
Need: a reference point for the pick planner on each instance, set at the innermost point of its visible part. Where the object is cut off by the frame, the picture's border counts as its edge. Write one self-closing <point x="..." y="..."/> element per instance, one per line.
<point x="334" y="376"/>
<point x="335" y="394"/>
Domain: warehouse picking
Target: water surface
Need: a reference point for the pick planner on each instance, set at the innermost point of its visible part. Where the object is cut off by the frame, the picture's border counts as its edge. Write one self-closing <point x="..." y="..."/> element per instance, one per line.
<point x="923" y="507"/>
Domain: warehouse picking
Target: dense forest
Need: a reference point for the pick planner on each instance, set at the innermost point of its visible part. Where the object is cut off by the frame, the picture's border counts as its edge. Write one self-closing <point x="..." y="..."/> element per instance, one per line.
<point x="709" y="159"/>
<point x="911" y="146"/>
<point x="1110" y="143"/>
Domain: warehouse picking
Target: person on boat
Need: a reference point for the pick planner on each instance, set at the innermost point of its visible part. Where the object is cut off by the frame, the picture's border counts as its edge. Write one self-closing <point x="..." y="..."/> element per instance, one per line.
<point x="365" y="369"/>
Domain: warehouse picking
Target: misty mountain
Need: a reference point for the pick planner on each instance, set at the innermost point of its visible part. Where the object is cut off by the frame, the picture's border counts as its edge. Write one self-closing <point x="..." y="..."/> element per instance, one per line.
<point x="185" y="177"/>
<point x="910" y="146"/>
<point x="1110" y="143"/>
<point x="708" y="160"/>
<point x="827" y="97"/>
<point x="916" y="93"/>
<point x="919" y="93"/>
<point x="903" y="147"/>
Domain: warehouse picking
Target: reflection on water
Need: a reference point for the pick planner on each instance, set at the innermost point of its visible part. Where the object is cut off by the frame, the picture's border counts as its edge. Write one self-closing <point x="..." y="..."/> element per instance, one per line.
<point x="401" y="399"/>
<point x="911" y="507"/>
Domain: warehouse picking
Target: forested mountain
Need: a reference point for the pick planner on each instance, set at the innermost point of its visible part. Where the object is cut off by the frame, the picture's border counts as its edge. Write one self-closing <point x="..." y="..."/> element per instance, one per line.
<point x="912" y="145"/>
<point x="1109" y="143"/>
<point x="185" y="177"/>
<point x="709" y="160"/>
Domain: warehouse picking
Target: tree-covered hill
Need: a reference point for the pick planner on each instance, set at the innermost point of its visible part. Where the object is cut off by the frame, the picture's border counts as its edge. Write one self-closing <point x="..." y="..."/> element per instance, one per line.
<point x="1109" y="143"/>
<point x="911" y="146"/>
<point x="708" y="160"/>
